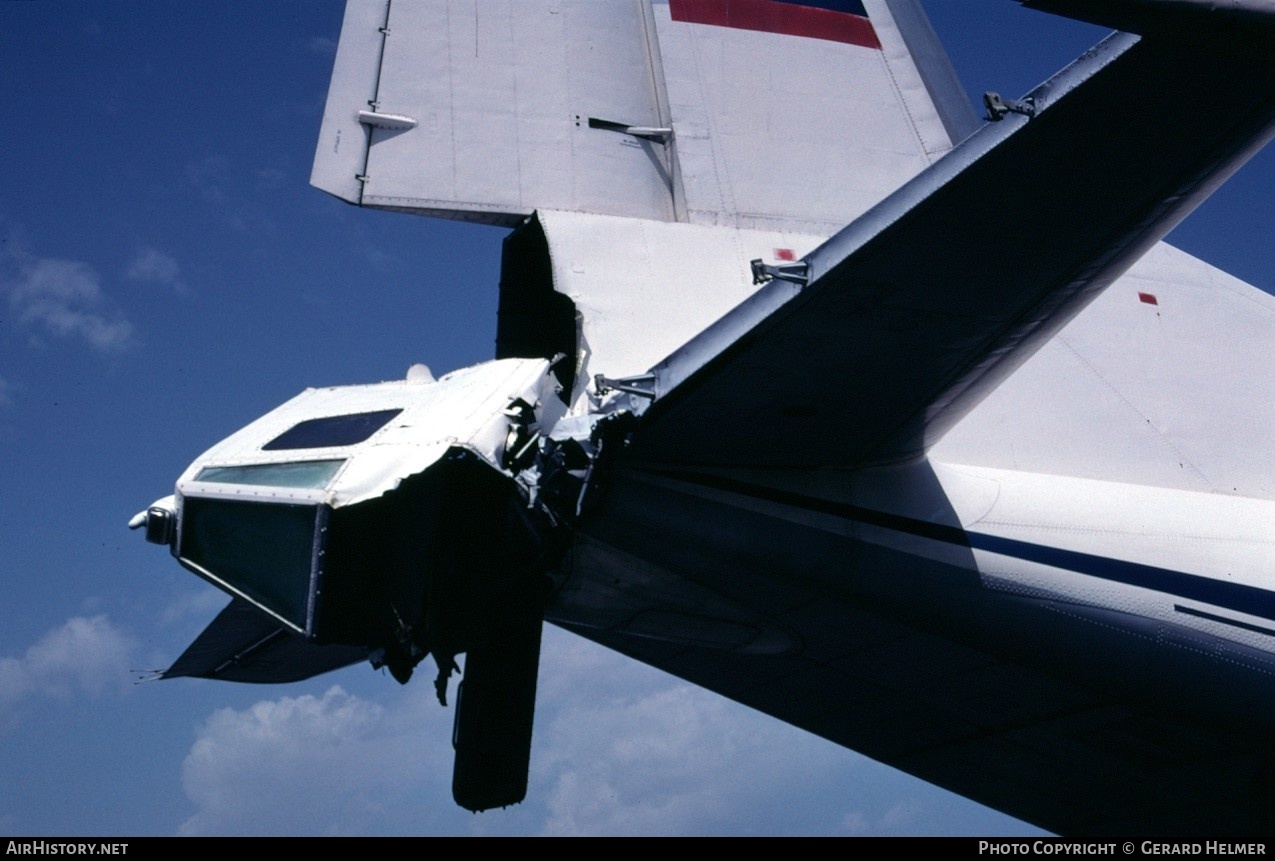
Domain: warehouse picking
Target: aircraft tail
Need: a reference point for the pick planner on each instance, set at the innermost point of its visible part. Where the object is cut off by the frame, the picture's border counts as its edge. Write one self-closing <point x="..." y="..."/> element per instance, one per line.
<point x="759" y="114"/>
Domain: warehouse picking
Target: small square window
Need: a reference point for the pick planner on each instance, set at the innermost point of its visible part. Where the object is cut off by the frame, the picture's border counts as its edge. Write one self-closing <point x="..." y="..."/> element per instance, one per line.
<point x="331" y="431"/>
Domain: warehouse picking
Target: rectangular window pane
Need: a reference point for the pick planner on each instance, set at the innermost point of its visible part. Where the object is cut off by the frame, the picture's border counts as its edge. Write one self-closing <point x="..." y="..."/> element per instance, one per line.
<point x="307" y="474"/>
<point x="265" y="551"/>
<point x="331" y="431"/>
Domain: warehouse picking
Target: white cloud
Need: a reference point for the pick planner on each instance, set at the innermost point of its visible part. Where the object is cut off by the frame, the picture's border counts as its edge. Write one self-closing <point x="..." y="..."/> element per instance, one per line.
<point x="65" y="298"/>
<point x="647" y="772"/>
<point x="619" y="749"/>
<point x="678" y="760"/>
<point x="83" y="656"/>
<point x="331" y="764"/>
<point x="151" y="266"/>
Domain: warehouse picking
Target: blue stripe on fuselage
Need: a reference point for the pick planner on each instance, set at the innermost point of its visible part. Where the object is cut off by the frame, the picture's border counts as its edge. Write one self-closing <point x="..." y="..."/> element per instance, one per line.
<point x="1233" y="596"/>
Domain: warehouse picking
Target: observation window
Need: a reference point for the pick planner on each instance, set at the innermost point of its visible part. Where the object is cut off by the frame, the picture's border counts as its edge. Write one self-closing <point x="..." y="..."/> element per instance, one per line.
<point x="305" y="474"/>
<point x="331" y="431"/>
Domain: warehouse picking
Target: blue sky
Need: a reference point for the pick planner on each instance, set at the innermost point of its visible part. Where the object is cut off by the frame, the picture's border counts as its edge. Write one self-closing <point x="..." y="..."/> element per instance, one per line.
<point x="167" y="275"/>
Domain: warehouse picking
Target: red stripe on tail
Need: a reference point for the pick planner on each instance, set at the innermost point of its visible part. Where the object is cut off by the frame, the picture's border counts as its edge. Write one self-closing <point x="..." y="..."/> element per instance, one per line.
<point x="772" y="16"/>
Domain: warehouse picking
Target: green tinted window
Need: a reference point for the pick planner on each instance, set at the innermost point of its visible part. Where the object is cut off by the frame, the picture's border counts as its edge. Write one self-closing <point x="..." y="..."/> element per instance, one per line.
<point x="306" y="474"/>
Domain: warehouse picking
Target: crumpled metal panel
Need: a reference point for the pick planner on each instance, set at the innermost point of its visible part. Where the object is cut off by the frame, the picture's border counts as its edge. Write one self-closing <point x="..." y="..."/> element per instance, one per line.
<point x="643" y="288"/>
<point x="463" y="409"/>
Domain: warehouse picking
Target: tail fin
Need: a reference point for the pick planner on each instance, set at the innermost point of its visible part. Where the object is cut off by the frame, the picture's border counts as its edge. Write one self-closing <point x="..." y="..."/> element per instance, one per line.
<point x="747" y="113"/>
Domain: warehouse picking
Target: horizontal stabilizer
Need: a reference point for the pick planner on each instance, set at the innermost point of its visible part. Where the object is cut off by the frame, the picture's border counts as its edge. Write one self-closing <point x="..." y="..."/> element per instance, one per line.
<point x="756" y="113"/>
<point x="906" y="319"/>
<point x="243" y="644"/>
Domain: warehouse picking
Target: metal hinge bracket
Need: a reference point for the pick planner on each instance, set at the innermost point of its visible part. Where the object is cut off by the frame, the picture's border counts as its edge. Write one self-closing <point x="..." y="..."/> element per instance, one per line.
<point x="642" y="385"/>
<point x="794" y="273"/>
<point x="997" y="107"/>
<point x="650" y="133"/>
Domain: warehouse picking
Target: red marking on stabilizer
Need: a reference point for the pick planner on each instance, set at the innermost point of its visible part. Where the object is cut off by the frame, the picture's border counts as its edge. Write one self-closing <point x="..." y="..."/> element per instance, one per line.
<point x="1149" y="298"/>
<point x="785" y="254"/>
<point x="771" y="16"/>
